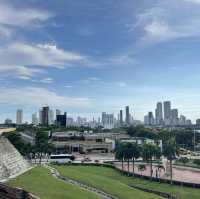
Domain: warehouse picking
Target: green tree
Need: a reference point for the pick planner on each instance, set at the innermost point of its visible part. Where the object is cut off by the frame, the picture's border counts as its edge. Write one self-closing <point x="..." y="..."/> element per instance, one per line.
<point x="119" y="153"/>
<point x="170" y="150"/>
<point x="135" y="154"/>
<point x="150" y="151"/>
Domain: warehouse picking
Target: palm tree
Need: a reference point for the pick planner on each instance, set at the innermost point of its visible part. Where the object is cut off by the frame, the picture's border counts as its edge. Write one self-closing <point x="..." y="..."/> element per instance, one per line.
<point x="170" y="151"/>
<point x="149" y="151"/>
<point x="128" y="154"/>
<point x="119" y="153"/>
<point x="135" y="154"/>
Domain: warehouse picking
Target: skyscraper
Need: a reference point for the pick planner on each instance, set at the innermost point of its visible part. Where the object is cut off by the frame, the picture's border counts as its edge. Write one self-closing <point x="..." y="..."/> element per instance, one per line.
<point x="51" y="117"/>
<point x="174" y="116"/>
<point x="107" y="120"/>
<point x="34" y="119"/>
<point x="58" y="112"/>
<point x="121" y="117"/>
<point x="61" y="120"/>
<point x="167" y="112"/>
<point x="159" y="114"/>
<point x="127" y="115"/>
<point x="182" y="120"/>
<point x="150" y="118"/>
<point x="19" y="116"/>
<point x="45" y="116"/>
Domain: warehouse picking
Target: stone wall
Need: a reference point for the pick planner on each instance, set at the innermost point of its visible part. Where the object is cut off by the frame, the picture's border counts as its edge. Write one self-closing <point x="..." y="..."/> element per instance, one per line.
<point x="11" y="161"/>
<point x="7" y="192"/>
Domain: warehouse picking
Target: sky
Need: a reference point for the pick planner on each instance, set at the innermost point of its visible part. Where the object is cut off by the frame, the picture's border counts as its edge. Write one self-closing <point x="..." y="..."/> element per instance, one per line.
<point x="85" y="57"/>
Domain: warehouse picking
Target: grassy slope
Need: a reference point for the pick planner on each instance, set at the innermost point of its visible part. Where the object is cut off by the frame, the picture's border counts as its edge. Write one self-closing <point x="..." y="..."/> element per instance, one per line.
<point x="113" y="182"/>
<point x="40" y="182"/>
<point x="106" y="179"/>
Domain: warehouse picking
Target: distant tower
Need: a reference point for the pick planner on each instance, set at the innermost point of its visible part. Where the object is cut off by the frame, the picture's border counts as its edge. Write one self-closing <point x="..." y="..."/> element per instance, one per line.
<point x="19" y="116"/>
<point x="34" y="119"/>
<point x="150" y="118"/>
<point x="174" y="116"/>
<point x="51" y="117"/>
<point x="58" y="112"/>
<point x="121" y="117"/>
<point x="159" y="113"/>
<point x="127" y="115"/>
<point x="167" y="112"/>
<point x="45" y="116"/>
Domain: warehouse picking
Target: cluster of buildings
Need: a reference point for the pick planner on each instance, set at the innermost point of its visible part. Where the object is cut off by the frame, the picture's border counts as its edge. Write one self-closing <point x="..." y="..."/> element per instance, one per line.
<point x="165" y="115"/>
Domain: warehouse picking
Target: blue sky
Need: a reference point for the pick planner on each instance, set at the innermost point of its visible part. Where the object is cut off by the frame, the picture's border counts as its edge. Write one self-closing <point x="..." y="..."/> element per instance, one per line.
<point x="89" y="56"/>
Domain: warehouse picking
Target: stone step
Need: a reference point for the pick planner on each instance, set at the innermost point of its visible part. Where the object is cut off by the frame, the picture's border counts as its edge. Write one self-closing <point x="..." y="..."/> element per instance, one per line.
<point x="11" y="161"/>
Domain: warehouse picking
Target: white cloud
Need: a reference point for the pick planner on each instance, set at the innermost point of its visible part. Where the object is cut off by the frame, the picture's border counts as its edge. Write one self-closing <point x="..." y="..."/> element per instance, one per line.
<point x="41" y="55"/>
<point x="168" y="20"/>
<point x="15" y="16"/>
<point x="36" y="97"/>
<point x="47" y="80"/>
<point x="12" y="17"/>
<point x="20" y="72"/>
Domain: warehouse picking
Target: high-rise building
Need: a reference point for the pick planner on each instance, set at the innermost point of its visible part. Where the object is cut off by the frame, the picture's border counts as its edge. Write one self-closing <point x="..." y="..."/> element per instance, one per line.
<point x="34" y="119"/>
<point x="19" y="116"/>
<point x="188" y="122"/>
<point x="45" y="116"/>
<point x="182" y="120"/>
<point x="127" y="115"/>
<point x="146" y="120"/>
<point x="58" y="112"/>
<point x="198" y="122"/>
<point x="159" y="114"/>
<point x="167" y="112"/>
<point x="107" y="120"/>
<point x="150" y="118"/>
<point x="174" y="117"/>
<point x="61" y="120"/>
<point x="51" y="117"/>
<point x="8" y="121"/>
<point x="121" y="117"/>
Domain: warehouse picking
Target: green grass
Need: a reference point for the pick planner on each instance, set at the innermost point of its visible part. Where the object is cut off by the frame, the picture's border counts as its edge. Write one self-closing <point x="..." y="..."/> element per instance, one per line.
<point x="115" y="183"/>
<point x="40" y="182"/>
<point x="106" y="179"/>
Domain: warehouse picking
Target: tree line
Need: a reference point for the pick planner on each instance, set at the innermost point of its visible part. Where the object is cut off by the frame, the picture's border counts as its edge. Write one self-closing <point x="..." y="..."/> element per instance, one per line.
<point x="130" y="152"/>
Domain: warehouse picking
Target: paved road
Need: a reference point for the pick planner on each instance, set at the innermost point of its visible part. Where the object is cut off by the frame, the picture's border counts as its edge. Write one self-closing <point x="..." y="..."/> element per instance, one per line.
<point x="179" y="173"/>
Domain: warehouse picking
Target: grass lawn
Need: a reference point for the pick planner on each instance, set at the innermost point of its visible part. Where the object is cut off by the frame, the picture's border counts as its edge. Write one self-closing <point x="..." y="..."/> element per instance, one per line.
<point x="40" y="182"/>
<point x="106" y="179"/>
<point x="115" y="183"/>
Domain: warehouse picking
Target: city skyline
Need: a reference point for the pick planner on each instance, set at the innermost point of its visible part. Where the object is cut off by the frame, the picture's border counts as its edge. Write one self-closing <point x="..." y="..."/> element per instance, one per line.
<point x="163" y="114"/>
<point x="82" y="58"/>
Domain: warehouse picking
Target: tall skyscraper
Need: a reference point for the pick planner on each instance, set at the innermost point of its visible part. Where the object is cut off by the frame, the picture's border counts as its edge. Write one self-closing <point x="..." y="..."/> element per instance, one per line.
<point x="182" y="120"/>
<point x="121" y="117"/>
<point x="34" y="119"/>
<point x="51" y="117"/>
<point x="127" y="115"/>
<point x="19" y="116"/>
<point x="167" y="112"/>
<point x="174" y="116"/>
<point x="61" y="120"/>
<point x="150" y="118"/>
<point x="159" y="114"/>
<point x="107" y="120"/>
<point x="45" y="116"/>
